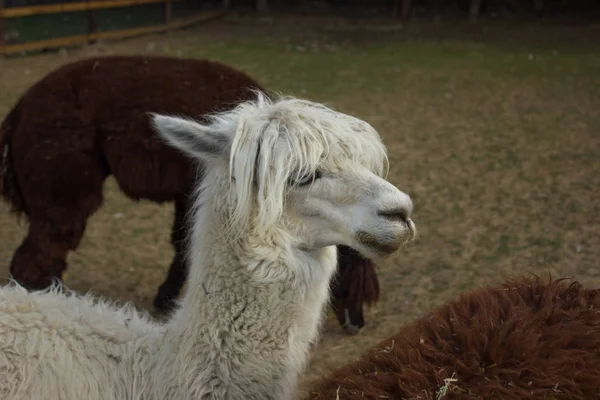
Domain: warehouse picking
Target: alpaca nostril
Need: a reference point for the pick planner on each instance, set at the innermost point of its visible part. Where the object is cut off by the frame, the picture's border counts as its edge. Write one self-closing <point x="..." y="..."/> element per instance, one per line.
<point x="395" y="214"/>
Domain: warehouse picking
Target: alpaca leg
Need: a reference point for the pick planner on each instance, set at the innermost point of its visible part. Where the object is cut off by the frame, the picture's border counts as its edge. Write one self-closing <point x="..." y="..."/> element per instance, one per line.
<point x="349" y="312"/>
<point x="355" y="285"/>
<point x="41" y="257"/>
<point x="61" y="192"/>
<point x="169" y="290"/>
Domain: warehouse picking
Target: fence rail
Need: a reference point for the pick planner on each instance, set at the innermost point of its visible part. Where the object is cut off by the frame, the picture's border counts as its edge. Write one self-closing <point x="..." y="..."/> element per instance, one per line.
<point x="92" y="35"/>
<point x="70" y="7"/>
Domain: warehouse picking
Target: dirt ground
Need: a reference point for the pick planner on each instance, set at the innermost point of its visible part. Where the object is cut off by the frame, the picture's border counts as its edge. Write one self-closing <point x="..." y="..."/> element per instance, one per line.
<point x="494" y="131"/>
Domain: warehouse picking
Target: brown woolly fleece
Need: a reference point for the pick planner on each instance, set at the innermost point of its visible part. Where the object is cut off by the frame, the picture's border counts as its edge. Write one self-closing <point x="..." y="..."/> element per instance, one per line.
<point x="89" y="119"/>
<point x="526" y="339"/>
<point x="355" y="285"/>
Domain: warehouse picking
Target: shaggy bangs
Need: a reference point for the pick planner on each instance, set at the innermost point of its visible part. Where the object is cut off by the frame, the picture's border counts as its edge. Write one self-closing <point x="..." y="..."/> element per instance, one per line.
<point x="283" y="140"/>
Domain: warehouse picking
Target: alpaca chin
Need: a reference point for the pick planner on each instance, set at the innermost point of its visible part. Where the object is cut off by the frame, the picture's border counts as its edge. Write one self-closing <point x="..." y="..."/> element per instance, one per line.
<point x="382" y="244"/>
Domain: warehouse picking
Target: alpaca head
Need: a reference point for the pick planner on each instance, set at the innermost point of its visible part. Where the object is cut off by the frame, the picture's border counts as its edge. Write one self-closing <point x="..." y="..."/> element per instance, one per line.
<point x="297" y="174"/>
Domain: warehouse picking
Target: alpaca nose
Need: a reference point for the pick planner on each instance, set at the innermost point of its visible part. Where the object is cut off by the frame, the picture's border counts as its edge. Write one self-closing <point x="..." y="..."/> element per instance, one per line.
<point x="399" y="214"/>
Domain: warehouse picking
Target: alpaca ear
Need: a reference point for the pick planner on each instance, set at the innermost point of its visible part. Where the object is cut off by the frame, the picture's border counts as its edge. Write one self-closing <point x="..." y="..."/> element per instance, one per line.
<point x="190" y="137"/>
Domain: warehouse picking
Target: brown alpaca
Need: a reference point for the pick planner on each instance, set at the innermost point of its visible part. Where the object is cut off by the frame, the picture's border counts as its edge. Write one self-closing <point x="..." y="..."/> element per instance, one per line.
<point x="87" y="120"/>
<point x="356" y="284"/>
<point x="525" y="339"/>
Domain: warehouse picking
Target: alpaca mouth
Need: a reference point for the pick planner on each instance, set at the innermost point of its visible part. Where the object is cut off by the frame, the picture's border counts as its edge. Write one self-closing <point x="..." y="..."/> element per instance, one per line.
<point x="388" y="247"/>
<point x="381" y="247"/>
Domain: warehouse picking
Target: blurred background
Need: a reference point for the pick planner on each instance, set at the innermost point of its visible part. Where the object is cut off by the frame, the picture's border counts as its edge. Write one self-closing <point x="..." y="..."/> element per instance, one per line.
<point x="490" y="110"/>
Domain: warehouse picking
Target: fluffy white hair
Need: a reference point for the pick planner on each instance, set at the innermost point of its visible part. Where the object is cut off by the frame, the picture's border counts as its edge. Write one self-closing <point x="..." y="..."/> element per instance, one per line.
<point x="314" y="136"/>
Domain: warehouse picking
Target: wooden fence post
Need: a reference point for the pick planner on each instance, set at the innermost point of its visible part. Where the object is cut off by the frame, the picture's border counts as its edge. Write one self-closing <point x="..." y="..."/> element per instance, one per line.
<point x="406" y="7"/>
<point x="1" y="27"/>
<point x="92" y="24"/>
<point x="167" y="12"/>
<point x="474" y="7"/>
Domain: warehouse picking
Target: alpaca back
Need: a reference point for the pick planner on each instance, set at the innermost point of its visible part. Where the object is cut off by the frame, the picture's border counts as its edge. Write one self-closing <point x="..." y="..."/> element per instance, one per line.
<point x="524" y="339"/>
<point x="74" y="347"/>
<point x="99" y="106"/>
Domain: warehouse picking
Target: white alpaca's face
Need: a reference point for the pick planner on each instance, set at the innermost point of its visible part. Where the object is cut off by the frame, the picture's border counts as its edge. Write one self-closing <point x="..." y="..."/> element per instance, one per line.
<point x="350" y="206"/>
<point x="300" y="170"/>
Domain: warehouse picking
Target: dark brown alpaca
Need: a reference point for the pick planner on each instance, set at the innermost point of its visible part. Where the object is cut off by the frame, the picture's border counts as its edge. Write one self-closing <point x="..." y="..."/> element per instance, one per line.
<point x="523" y="340"/>
<point x="87" y="120"/>
<point x="355" y="284"/>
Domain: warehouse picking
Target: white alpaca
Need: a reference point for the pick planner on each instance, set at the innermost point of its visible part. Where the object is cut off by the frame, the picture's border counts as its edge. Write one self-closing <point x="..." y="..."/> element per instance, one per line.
<point x="285" y="181"/>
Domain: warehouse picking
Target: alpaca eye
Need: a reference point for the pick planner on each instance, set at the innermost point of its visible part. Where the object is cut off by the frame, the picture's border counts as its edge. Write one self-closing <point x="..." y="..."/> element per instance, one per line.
<point x="309" y="179"/>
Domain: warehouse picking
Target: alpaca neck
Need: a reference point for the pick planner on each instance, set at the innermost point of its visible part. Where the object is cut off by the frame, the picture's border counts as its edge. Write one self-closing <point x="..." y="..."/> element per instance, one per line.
<point x="237" y="334"/>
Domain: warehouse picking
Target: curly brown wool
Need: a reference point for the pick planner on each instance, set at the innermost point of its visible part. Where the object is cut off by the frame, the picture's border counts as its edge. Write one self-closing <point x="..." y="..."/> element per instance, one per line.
<point x="525" y="339"/>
